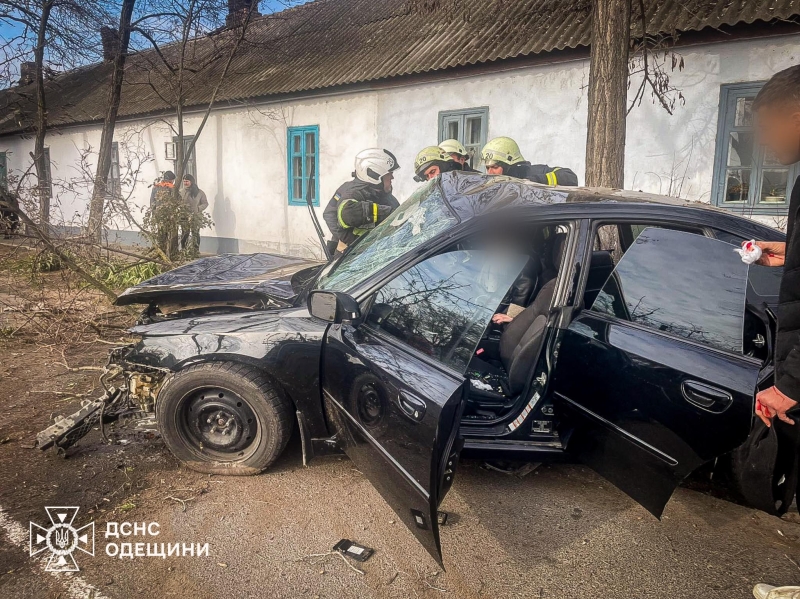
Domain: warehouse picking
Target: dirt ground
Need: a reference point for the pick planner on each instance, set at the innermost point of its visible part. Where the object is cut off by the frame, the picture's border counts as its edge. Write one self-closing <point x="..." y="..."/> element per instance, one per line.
<point x="559" y="532"/>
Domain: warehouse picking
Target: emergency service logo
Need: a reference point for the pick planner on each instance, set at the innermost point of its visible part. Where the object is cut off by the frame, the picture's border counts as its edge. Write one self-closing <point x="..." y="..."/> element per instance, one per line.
<point x="61" y="539"/>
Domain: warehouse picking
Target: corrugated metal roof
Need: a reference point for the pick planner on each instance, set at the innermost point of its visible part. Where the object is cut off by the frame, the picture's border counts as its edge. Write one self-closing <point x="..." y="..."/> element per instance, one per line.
<point x="338" y="42"/>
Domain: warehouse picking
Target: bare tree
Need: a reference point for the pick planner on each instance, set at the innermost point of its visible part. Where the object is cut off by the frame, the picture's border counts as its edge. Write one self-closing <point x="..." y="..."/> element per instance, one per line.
<point x="192" y="43"/>
<point x="53" y="32"/>
<point x="188" y="39"/>
<point x="614" y="61"/>
<point x="608" y="84"/>
<point x="120" y="54"/>
<point x="650" y="56"/>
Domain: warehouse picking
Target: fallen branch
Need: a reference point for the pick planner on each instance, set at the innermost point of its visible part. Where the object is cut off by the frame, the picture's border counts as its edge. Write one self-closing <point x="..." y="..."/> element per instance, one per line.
<point x="108" y="248"/>
<point x="78" y="368"/>
<point x="183" y="502"/>
<point x="114" y="343"/>
<point x="66" y="258"/>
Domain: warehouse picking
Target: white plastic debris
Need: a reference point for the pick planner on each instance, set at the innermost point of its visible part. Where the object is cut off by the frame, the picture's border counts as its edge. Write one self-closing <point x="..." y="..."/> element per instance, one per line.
<point x="750" y="252"/>
<point x="480" y="385"/>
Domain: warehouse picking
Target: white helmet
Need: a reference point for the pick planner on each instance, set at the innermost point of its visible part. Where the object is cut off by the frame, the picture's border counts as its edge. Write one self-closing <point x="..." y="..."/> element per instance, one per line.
<point x="374" y="163"/>
<point x="453" y="146"/>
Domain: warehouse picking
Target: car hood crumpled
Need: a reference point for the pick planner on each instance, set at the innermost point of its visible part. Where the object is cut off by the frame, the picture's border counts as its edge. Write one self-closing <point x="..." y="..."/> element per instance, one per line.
<point x="226" y="277"/>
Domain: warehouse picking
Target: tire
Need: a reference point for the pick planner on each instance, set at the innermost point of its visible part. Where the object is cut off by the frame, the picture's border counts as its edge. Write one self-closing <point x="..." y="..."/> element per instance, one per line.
<point x="223" y="418"/>
<point x="768" y="494"/>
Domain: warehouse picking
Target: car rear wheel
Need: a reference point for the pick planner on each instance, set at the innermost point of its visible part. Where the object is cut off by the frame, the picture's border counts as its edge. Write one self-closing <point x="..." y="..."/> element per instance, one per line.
<point x="223" y="418"/>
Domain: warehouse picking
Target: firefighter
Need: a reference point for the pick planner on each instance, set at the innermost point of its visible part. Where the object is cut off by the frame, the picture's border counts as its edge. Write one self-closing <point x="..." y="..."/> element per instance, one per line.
<point x="431" y="162"/>
<point x="360" y="204"/>
<point x="502" y="157"/>
<point x="458" y="153"/>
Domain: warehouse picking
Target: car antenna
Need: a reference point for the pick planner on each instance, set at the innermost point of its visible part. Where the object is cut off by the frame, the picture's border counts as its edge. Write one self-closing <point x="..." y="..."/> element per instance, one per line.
<point x="314" y="219"/>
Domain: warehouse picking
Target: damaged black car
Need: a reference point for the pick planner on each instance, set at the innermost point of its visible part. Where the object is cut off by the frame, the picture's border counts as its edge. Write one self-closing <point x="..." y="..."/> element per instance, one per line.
<point x="488" y="317"/>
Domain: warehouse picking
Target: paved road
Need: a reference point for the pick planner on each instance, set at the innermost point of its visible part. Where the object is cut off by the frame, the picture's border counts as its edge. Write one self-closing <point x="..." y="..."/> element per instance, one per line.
<point x="558" y="532"/>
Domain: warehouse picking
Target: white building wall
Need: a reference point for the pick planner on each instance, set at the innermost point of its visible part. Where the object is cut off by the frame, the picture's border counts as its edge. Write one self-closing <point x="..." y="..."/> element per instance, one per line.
<point x="543" y="108"/>
<point x="675" y="154"/>
<point x="241" y="160"/>
<point x="241" y="154"/>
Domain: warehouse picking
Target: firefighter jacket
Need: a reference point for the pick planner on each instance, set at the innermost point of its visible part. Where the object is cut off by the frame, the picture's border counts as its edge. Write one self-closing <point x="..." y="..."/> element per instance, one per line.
<point x="355" y="208"/>
<point x="542" y="173"/>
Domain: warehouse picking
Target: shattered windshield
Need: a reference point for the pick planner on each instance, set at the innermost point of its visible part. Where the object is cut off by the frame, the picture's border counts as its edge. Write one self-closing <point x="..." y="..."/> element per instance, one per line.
<point x="420" y="218"/>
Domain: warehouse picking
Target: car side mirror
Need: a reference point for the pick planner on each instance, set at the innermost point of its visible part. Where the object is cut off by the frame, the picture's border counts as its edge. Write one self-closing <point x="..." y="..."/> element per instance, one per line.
<point x="333" y="306"/>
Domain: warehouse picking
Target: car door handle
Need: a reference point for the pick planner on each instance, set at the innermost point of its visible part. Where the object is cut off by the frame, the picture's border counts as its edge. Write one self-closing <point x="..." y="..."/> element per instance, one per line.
<point x="706" y="397"/>
<point x="412" y="406"/>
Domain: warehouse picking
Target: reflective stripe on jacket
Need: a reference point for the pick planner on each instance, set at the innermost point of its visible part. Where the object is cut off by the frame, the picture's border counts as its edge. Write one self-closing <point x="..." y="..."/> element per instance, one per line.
<point x="542" y="173"/>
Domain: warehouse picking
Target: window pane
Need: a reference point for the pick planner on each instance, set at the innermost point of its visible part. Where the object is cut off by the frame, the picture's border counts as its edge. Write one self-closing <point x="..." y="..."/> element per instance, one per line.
<point x="684" y="284"/>
<point x="773" y="186"/>
<point x="740" y="149"/>
<point x="473" y="135"/>
<point x="442" y="306"/>
<point x="744" y="112"/>
<point x="769" y="158"/>
<point x="737" y="185"/>
<point x="452" y="130"/>
<point x="296" y="144"/>
<point x="297" y="189"/>
<point x="310" y="145"/>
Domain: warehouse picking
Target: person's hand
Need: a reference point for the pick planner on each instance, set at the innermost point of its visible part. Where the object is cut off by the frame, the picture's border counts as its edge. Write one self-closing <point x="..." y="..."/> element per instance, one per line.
<point x="770" y="403"/>
<point x="773" y="253"/>
<point x="501" y="318"/>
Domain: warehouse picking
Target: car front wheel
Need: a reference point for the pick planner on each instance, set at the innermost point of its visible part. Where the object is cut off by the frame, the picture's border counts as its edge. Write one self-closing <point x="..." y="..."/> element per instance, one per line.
<point x="223" y="418"/>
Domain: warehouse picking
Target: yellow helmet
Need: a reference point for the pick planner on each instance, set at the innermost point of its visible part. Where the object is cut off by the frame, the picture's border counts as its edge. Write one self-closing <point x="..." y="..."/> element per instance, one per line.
<point x="428" y="155"/>
<point x="501" y="149"/>
<point x="453" y="146"/>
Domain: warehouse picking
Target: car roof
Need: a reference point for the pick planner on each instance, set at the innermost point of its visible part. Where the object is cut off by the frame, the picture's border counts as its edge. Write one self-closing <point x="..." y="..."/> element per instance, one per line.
<point x="470" y="194"/>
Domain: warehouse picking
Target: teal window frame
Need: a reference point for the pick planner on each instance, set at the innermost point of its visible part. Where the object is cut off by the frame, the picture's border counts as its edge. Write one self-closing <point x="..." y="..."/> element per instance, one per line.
<point x="726" y="125"/>
<point x="291" y="134"/>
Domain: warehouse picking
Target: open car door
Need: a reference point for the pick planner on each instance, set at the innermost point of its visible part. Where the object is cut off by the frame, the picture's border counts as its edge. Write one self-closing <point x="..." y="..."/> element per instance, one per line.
<point x="651" y="381"/>
<point x="393" y="383"/>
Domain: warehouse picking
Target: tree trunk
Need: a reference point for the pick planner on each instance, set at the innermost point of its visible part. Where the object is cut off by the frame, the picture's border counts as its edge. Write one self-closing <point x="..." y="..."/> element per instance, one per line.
<point x="608" y="93"/>
<point x="39" y="161"/>
<point x="107" y="137"/>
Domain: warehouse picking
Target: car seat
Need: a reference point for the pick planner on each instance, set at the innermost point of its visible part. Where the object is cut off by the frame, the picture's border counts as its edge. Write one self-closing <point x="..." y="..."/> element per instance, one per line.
<point x="551" y="257"/>
<point x="519" y="347"/>
<point x="521" y="340"/>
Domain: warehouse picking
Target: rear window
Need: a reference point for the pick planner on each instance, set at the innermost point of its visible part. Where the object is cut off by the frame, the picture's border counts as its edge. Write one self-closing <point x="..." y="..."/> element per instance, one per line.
<point x="687" y="285"/>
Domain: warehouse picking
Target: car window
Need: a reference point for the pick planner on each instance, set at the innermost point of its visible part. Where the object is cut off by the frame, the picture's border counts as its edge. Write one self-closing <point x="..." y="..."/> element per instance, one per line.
<point x="617" y="237"/>
<point x="637" y="228"/>
<point x="765" y="280"/>
<point x="442" y="306"/>
<point x="420" y="218"/>
<point x="680" y="283"/>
